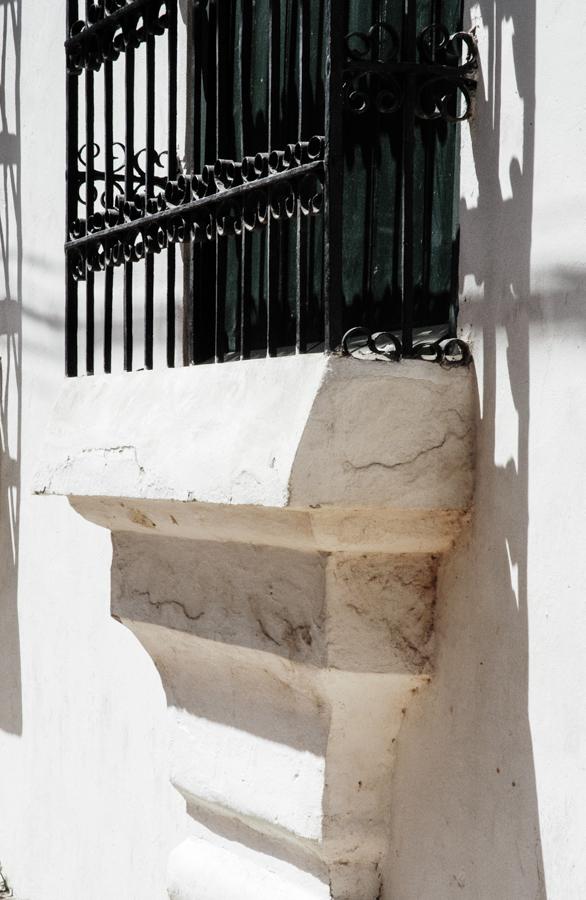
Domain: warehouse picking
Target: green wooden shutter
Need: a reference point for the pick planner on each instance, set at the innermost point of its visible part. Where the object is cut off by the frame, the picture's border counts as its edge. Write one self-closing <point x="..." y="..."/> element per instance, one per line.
<point x="268" y="91"/>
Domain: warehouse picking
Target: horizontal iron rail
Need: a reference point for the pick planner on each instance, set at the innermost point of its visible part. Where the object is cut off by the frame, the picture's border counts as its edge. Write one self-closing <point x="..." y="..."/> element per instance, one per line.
<point x="109" y="21"/>
<point x="136" y="226"/>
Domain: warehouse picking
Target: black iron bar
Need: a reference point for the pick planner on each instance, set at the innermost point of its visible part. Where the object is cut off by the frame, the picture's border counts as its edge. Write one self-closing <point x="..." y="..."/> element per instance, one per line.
<point x="109" y="203"/>
<point x="244" y="45"/>
<point x="129" y="194"/>
<point x="273" y="261"/>
<point x="172" y="171"/>
<point x="408" y="160"/>
<point x="333" y="165"/>
<point x="245" y="264"/>
<point x="72" y="168"/>
<point x="429" y="135"/>
<point x="193" y="125"/>
<point x="205" y="296"/>
<point x="149" y="194"/>
<point x="218" y="16"/>
<point x="302" y="224"/>
<point x="370" y="230"/>
<point x="89" y="207"/>
<point x="302" y="256"/>
<point x="118" y="232"/>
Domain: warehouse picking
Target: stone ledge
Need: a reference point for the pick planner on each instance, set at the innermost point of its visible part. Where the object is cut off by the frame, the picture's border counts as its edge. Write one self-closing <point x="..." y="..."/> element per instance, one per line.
<point x="296" y="432"/>
<point x="325" y="529"/>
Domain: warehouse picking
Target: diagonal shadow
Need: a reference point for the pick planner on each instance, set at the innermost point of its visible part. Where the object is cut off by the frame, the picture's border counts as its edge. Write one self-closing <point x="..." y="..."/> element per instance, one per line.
<point x="465" y="820"/>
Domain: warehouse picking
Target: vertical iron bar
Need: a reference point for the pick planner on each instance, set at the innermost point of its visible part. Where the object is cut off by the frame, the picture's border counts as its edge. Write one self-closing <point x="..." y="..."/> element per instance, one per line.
<point x="429" y="136"/>
<point x="220" y="243"/>
<point x="109" y="202"/>
<point x="129" y="195"/>
<point x="244" y="38"/>
<point x="172" y="172"/>
<point x="149" y="193"/>
<point x="89" y="201"/>
<point x="409" y="55"/>
<point x="71" y="287"/>
<point x="203" y="269"/>
<point x="245" y="296"/>
<point x="333" y="178"/>
<point x="193" y="125"/>
<point x="302" y="222"/>
<point x="274" y="298"/>
<point x="372" y="154"/>
<point x="455" y="262"/>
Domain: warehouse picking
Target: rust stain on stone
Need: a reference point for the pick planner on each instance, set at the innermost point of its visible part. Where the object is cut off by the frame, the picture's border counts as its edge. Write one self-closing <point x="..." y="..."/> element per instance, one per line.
<point x="139" y="518"/>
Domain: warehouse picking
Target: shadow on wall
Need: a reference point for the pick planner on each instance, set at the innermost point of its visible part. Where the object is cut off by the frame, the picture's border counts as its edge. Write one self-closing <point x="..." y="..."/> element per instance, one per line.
<point x="465" y="817"/>
<point x="10" y="362"/>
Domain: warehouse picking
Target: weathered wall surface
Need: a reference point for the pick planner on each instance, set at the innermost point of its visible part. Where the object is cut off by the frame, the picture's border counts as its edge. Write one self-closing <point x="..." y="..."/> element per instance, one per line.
<point x="84" y="797"/>
<point x="490" y="780"/>
<point x="489" y="785"/>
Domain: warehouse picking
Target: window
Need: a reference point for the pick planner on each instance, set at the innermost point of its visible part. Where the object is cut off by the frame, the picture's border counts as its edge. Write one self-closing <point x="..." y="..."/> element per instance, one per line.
<point x="316" y="190"/>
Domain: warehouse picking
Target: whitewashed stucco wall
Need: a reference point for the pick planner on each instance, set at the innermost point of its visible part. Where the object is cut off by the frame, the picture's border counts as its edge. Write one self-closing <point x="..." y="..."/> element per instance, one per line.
<point x="490" y="781"/>
<point x="490" y="784"/>
<point x="84" y="795"/>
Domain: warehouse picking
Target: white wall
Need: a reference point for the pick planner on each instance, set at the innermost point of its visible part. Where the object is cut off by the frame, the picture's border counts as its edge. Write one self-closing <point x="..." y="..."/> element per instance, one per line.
<point x="84" y="796"/>
<point x="490" y="783"/>
<point x="490" y="786"/>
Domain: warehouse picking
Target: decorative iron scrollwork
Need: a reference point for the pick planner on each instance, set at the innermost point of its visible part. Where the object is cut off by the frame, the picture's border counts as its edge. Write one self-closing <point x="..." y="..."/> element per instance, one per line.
<point x="228" y="198"/>
<point x="380" y="44"/>
<point x="386" y="345"/>
<point x="444" y="74"/>
<point x="118" y="172"/>
<point x="112" y="27"/>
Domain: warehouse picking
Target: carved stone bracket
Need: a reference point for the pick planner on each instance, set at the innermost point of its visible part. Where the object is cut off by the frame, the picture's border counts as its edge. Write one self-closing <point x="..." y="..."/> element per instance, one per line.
<point x="276" y="552"/>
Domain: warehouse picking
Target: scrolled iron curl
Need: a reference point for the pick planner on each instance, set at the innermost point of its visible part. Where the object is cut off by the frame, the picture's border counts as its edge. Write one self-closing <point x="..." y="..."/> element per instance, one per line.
<point x="450" y="351"/>
<point x="138" y="180"/>
<point x="222" y="175"/>
<point x="379" y="88"/>
<point x="227" y="173"/>
<point x="438" y="46"/>
<point x="94" y="48"/>
<point x="365" y="90"/>
<point x="380" y="43"/>
<point x="438" y="96"/>
<point x="282" y="202"/>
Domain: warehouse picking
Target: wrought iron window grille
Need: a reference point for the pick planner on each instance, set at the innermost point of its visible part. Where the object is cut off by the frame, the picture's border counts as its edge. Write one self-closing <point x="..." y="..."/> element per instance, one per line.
<point x="318" y="186"/>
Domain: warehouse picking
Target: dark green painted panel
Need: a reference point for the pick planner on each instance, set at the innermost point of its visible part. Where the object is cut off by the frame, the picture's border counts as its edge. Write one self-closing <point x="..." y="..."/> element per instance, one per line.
<point x="372" y="195"/>
<point x="233" y="97"/>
